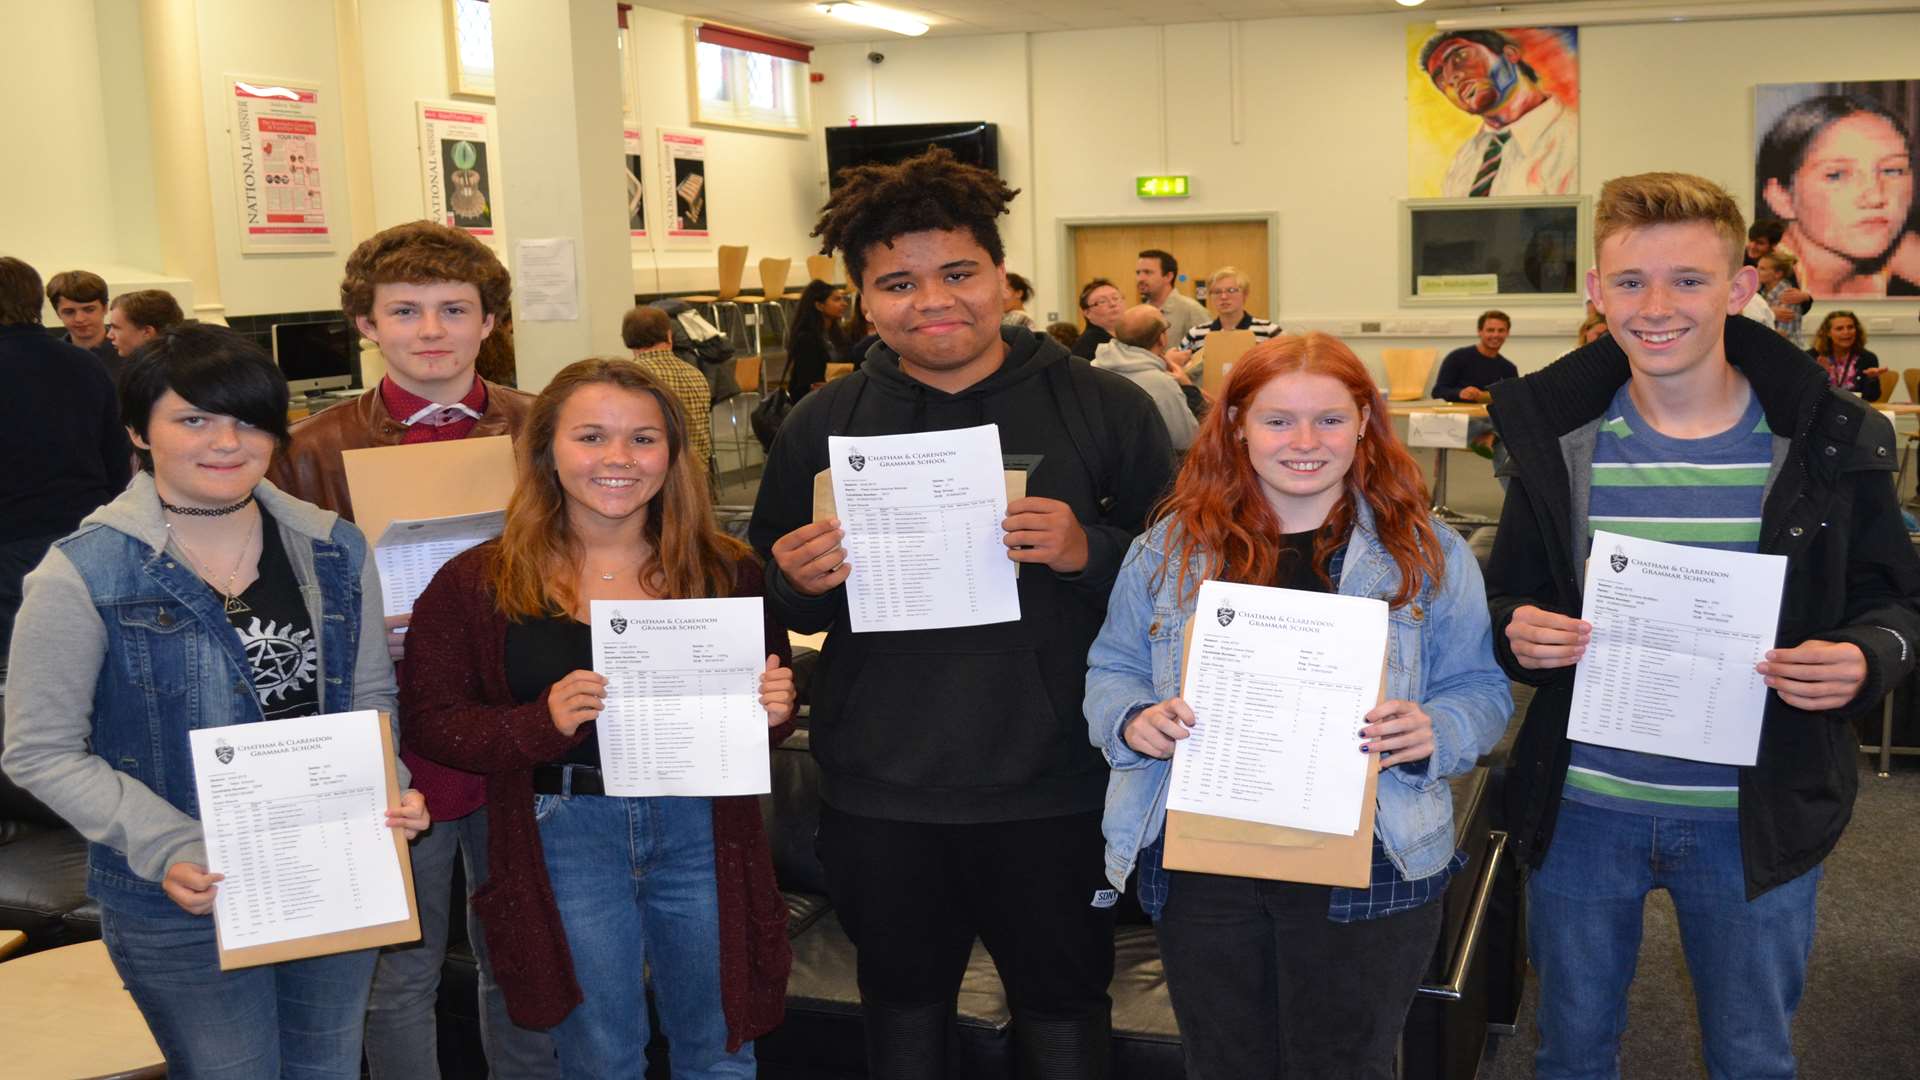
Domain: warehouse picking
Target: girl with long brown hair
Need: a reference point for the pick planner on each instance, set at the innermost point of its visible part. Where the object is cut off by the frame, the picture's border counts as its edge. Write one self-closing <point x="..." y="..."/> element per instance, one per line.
<point x="587" y="890"/>
<point x="1296" y="480"/>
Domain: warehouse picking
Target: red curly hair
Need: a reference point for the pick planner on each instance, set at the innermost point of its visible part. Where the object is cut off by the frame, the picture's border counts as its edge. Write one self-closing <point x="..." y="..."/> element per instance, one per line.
<point x="1225" y="519"/>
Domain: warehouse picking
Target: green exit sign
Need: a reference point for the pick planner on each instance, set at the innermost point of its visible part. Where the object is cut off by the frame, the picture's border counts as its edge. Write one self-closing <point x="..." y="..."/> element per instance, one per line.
<point x="1160" y="187"/>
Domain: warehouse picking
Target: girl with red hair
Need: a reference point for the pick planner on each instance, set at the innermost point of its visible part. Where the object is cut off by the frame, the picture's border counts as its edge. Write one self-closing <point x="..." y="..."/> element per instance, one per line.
<point x="1296" y="480"/>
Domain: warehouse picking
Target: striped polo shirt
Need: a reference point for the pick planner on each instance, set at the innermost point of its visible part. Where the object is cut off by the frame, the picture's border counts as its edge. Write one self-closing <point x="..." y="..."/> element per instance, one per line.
<point x="1699" y="492"/>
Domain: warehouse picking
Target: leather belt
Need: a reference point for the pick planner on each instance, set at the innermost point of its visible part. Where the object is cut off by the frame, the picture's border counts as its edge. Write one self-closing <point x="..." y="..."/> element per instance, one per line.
<point x="553" y="779"/>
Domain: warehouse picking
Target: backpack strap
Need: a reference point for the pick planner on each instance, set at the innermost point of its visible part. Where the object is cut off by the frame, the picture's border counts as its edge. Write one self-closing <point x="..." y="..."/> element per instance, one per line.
<point x="1086" y="425"/>
<point x="843" y="405"/>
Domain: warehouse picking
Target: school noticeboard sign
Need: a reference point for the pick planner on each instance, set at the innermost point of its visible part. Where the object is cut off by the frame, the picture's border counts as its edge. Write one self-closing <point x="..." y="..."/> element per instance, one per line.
<point x="459" y="167"/>
<point x="274" y="130"/>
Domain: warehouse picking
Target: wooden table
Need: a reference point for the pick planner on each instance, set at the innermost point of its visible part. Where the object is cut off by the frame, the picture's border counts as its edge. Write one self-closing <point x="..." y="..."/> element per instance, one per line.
<point x="63" y="1013"/>
<point x="1442" y="408"/>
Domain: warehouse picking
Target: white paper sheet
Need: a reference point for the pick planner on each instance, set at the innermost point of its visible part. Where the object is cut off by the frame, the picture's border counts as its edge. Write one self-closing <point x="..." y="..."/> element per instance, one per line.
<point x="1280" y="682"/>
<point x="1677" y="631"/>
<point x="1443" y="430"/>
<point x="922" y="518"/>
<point x="409" y="553"/>
<point x="295" y="816"/>
<point x="683" y="713"/>
<point x="546" y="281"/>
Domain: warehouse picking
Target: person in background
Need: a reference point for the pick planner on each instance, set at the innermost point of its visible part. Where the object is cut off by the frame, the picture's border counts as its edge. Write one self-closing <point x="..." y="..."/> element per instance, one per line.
<point x="60" y="435"/>
<point x="1688" y="426"/>
<point x="1775" y="269"/>
<point x="1592" y="329"/>
<point x="594" y="896"/>
<point x="200" y="597"/>
<point x="136" y="318"/>
<point x="1100" y="305"/>
<point x="79" y="297"/>
<point x="1227" y="295"/>
<point x="1139" y="351"/>
<point x="1019" y="294"/>
<point x="1270" y="977"/>
<point x="816" y="338"/>
<point x="429" y="296"/>
<point x="1840" y="348"/>
<point x="858" y="329"/>
<point x="1065" y="333"/>
<point x="1467" y="372"/>
<point x="648" y="332"/>
<point x="1157" y="276"/>
<point x="1762" y="237"/>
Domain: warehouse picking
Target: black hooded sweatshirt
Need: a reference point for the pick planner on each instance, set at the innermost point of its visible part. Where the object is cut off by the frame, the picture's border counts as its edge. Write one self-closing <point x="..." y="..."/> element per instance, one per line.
<point x="978" y="723"/>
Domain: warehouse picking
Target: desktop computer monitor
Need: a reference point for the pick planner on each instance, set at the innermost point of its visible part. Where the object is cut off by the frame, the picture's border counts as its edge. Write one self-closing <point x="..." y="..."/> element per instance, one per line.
<point x="314" y="356"/>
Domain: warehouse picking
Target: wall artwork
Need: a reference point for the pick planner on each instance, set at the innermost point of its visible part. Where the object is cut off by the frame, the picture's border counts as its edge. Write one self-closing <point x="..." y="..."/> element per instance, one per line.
<point x="683" y="175"/>
<point x="1493" y="112"/>
<point x="636" y="189"/>
<point x="274" y="128"/>
<point x="1834" y="162"/>
<point x="457" y="167"/>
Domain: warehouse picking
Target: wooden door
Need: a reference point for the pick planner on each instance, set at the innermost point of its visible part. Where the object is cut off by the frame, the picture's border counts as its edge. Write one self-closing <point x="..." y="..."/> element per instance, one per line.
<point x="1111" y="251"/>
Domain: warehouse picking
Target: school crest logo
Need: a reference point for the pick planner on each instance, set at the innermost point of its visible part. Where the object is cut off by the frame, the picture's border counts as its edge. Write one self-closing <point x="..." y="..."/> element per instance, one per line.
<point x="856" y="460"/>
<point x="1618" y="560"/>
<point x="1224" y="614"/>
<point x="619" y="624"/>
<point x="222" y="752"/>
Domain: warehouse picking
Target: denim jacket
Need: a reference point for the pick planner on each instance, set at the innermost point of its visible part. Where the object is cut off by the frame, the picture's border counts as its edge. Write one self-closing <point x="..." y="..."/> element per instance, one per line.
<point x="120" y="650"/>
<point x="1439" y="654"/>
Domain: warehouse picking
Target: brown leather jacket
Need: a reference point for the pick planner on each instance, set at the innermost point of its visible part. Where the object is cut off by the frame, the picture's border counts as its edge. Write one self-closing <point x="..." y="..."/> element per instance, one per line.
<point x="310" y="468"/>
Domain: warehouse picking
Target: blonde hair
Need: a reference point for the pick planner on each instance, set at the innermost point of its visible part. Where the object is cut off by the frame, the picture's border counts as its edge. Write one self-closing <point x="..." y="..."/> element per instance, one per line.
<point x="1669" y="198"/>
<point x="1223" y="274"/>
<point x="1784" y="260"/>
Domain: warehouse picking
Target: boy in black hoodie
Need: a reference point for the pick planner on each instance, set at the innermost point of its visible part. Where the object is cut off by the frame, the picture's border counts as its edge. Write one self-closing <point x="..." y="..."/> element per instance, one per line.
<point x="961" y="795"/>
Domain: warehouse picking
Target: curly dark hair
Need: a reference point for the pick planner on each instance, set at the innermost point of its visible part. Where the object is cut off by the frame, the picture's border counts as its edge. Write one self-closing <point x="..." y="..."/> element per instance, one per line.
<point x="874" y="204"/>
<point x="419" y="252"/>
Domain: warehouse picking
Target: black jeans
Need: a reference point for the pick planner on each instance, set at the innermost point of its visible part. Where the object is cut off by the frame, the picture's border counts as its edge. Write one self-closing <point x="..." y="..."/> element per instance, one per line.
<point x="1264" y="986"/>
<point x="913" y="897"/>
<point x="17" y="559"/>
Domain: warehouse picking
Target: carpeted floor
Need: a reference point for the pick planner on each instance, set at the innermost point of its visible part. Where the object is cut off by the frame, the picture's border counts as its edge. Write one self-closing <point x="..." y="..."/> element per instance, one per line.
<point x="1860" y="1019"/>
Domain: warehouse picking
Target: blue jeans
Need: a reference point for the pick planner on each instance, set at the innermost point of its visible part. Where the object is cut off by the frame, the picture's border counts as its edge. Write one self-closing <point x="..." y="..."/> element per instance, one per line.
<point x="402" y="1032"/>
<point x="1748" y="959"/>
<point x="633" y="879"/>
<point x="301" y="1018"/>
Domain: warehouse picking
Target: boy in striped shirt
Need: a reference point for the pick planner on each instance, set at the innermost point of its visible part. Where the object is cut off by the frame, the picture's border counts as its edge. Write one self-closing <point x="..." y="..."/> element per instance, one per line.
<point x="1690" y="426"/>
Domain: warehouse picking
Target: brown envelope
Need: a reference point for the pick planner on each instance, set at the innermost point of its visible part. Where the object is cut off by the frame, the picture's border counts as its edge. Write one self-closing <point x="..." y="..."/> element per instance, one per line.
<point x="367" y="937"/>
<point x="1217" y="845"/>
<point x="428" y="480"/>
<point x="1223" y="347"/>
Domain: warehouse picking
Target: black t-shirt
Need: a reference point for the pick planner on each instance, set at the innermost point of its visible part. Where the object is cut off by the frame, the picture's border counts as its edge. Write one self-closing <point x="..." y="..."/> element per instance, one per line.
<point x="1295" y="570"/>
<point x="541" y="652"/>
<point x="277" y="631"/>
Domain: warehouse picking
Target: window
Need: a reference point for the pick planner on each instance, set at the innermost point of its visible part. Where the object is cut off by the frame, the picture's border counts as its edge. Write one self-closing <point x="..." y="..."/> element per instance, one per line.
<point x="743" y="79"/>
<point x="470" y="37"/>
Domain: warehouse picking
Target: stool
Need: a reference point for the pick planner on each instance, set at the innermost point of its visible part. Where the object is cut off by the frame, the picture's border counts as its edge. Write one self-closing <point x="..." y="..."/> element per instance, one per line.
<point x="732" y="268"/>
<point x="773" y="291"/>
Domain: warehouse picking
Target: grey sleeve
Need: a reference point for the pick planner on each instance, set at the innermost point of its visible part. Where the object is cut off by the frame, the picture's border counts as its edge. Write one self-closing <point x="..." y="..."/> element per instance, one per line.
<point x="374" y="686"/>
<point x="59" y="646"/>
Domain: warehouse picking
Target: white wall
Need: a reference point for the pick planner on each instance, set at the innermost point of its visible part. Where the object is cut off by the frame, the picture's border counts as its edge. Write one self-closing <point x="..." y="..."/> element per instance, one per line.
<point x="403" y="43"/>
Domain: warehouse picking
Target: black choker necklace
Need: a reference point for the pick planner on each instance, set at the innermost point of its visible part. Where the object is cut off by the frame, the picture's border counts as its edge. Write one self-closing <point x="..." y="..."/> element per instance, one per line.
<point x="205" y="511"/>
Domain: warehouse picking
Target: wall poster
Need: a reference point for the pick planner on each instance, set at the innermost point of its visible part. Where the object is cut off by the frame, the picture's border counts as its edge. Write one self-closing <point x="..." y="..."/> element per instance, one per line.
<point x="274" y="130"/>
<point x="636" y="187"/>
<point x="457" y="166"/>
<point x="1493" y="112"/>
<point x="683" y="175"/>
<point x="1833" y="162"/>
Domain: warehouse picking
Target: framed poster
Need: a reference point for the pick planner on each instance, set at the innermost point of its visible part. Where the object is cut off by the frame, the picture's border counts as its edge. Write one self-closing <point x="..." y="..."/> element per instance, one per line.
<point x="458" y="167"/>
<point x="636" y="188"/>
<point x="1472" y="251"/>
<point x="683" y="183"/>
<point x="1493" y="112"/>
<point x="273" y="128"/>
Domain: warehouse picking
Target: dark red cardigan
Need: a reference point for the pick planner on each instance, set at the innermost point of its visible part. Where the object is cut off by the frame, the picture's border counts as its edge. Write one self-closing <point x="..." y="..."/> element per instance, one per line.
<point x="457" y="710"/>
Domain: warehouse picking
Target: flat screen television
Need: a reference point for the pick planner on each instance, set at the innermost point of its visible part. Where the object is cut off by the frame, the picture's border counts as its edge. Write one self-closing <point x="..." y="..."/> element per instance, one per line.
<point x="314" y="356"/>
<point x="973" y="142"/>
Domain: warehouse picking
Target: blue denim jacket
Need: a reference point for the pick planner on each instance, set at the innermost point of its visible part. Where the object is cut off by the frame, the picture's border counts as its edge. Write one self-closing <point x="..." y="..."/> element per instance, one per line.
<point x="1439" y="654"/>
<point x="152" y="643"/>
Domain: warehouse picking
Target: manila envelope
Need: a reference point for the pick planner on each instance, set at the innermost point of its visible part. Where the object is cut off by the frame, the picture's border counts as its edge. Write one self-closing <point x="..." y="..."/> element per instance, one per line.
<point x="1216" y="359"/>
<point x="366" y="937"/>
<point x="428" y="480"/>
<point x="1218" y="845"/>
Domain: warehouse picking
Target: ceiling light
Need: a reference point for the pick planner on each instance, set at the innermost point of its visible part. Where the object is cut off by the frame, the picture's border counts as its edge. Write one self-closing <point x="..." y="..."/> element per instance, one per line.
<point x="880" y="18"/>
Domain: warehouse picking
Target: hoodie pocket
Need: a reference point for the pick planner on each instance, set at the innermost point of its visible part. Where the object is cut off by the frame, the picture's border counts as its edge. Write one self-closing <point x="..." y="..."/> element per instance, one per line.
<point x="976" y="719"/>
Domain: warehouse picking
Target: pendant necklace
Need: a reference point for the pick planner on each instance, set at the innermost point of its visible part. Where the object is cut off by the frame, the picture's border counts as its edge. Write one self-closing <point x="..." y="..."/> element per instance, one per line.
<point x="232" y="604"/>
